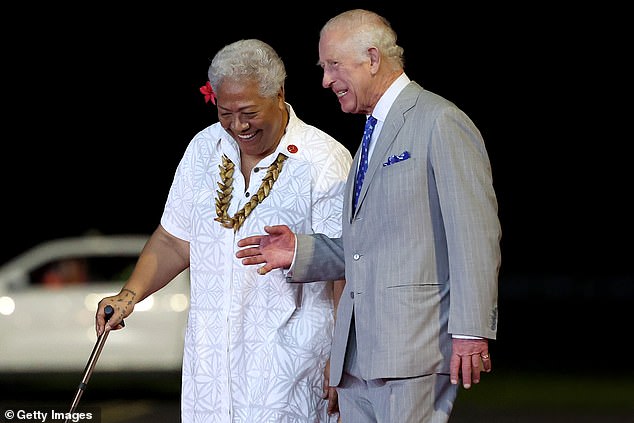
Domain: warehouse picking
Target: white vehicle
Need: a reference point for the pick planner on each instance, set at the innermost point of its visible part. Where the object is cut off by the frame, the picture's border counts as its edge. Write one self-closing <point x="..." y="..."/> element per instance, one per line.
<point x="48" y="300"/>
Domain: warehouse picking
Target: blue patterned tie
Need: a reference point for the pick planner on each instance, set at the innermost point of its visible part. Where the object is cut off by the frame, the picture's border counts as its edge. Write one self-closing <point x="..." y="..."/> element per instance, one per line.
<point x="363" y="164"/>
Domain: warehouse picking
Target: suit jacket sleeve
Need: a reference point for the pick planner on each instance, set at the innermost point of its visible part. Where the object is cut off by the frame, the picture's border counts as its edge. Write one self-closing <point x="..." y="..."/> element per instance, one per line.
<point x="318" y="258"/>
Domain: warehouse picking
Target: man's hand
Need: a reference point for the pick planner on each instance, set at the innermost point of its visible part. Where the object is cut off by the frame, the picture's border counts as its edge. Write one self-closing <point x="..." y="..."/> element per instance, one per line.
<point x="330" y="392"/>
<point x="469" y="357"/>
<point x="275" y="250"/>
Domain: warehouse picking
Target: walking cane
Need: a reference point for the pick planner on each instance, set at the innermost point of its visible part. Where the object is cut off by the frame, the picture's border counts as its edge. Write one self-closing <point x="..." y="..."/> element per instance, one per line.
<point x="94" y="356"/>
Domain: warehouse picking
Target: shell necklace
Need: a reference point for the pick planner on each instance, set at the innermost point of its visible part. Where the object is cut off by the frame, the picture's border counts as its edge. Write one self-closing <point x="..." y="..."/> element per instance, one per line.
<point x="226" y="187"/>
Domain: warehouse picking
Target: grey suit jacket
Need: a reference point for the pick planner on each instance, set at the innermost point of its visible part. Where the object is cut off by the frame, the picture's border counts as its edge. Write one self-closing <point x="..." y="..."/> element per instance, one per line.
<point x="421" y="254"/>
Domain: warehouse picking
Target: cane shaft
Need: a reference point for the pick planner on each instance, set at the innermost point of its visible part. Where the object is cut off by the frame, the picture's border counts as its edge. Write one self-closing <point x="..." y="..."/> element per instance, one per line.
<point x="92" y="361"/>
<point x="90" y="366"/>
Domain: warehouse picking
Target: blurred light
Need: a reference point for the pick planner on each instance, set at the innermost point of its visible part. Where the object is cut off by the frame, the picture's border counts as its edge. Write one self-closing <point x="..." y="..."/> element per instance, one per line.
<point x="7" y="305"/>
<point x="179" y="302"/>
<point x="145" y="305"/>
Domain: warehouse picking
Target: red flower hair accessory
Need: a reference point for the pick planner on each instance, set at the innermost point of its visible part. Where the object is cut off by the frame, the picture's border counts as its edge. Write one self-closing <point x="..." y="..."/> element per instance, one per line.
<point x="209" y="93"/>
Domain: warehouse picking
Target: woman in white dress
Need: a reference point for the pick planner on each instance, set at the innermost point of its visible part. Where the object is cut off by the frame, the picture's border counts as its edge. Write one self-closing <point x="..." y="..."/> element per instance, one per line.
<point x="256" y="346"/>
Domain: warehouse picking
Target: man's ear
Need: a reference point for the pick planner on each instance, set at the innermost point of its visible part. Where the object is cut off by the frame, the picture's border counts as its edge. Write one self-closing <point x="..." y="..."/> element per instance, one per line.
<point x="375" y="59"/>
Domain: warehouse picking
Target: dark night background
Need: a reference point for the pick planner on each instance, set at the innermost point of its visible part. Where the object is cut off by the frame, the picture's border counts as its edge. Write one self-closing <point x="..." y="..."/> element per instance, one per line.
<point x="99" y="106"/>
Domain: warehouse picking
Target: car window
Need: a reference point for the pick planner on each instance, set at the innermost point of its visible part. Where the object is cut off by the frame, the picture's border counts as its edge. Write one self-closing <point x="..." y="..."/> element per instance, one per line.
<point x="83" y="270"/>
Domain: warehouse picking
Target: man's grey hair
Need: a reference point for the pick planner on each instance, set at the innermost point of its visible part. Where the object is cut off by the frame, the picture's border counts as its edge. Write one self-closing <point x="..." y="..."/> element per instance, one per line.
<point x="367" y="29"/>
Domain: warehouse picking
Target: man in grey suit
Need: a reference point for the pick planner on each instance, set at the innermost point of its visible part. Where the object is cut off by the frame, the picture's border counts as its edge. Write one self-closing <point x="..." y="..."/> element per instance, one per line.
<point x="420" y="252"/>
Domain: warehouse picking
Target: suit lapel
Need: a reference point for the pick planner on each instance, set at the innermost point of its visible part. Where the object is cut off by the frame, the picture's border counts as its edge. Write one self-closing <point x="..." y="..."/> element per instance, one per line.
<point x="347" y="207"/>
<point x="393" y="123"/>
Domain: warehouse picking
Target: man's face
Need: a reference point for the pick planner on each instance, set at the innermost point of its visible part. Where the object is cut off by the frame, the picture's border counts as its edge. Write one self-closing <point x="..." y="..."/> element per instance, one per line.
<point x="346" y="73"/>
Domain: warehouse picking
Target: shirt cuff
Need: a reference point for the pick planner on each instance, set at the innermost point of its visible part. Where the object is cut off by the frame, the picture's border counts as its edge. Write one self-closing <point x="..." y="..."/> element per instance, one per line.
<point x="288" y="273"/>
<point x="466" y="337"/>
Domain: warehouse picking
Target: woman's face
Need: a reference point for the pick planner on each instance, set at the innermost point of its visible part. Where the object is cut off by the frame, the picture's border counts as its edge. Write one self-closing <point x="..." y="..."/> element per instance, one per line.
<point x="255" y="122"/>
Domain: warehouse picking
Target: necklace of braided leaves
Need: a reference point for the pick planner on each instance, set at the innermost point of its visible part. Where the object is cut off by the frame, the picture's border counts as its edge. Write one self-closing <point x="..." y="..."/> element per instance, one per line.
<point x="226" y="188"/>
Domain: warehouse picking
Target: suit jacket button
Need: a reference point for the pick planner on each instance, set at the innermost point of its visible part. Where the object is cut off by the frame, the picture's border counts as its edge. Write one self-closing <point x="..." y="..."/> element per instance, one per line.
<point x="352" y="294"/>
<point x="356" y="257"/>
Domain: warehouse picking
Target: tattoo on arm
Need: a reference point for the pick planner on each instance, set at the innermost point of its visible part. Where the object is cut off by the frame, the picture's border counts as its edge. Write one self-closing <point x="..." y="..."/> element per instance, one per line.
<point x="127" y="293"/>
<point x="130" y="291"/>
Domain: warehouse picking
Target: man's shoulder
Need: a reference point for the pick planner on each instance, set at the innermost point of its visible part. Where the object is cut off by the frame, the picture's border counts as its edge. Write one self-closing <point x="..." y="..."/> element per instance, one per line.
<point x="414" y="98"/>
<point x="423" y="96"/>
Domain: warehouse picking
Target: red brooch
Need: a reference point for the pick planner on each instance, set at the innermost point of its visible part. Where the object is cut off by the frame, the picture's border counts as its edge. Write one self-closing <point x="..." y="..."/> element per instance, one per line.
<point x="292" y="148"/>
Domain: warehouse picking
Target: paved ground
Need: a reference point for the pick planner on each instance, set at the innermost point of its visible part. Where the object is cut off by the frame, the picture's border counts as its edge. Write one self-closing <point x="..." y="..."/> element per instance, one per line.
<point x="502" y="397"/>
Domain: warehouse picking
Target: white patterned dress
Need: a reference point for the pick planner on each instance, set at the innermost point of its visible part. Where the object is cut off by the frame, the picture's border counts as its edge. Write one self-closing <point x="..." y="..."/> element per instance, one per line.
<point x="256" y="346"/>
